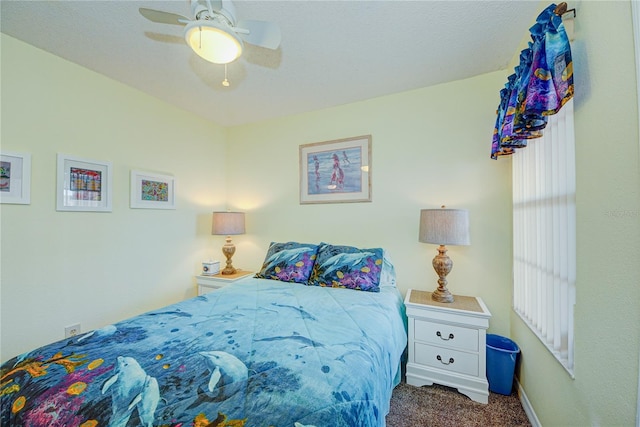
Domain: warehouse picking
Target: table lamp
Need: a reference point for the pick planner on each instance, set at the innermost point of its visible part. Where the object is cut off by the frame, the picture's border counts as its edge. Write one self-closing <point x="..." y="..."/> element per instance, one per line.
<point x="228" y="224"/>
<point x="444" y="227"/>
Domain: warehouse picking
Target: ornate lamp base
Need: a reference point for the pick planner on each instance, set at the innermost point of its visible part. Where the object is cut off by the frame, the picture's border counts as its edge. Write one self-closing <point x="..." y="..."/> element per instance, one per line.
<point x="442" y="295"/>
<point x="442" y="264"/>
<point x="228" y="250"/>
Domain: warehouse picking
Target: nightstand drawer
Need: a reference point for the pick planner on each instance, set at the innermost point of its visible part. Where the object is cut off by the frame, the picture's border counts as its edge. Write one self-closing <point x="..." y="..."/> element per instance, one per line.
<point x="446" y="335"/>
<point x="446" y="359"/>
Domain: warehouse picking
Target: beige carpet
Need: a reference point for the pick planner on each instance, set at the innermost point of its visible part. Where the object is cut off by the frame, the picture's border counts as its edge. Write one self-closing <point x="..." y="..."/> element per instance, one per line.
<point x="440" y="406"/>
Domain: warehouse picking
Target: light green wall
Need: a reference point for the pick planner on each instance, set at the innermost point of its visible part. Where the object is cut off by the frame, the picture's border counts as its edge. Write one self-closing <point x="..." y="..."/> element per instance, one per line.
<point x="607" y="311"/>
<point x="430" y="147"/>
<point x="59" y="268"/>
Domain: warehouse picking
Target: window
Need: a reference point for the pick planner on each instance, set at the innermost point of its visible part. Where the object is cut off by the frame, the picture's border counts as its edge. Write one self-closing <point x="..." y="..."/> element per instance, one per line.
<point x="544" y="235"/>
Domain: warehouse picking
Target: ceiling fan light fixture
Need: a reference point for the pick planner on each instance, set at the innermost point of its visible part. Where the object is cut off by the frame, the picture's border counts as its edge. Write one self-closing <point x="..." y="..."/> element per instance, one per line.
<point x="212" y="42"/>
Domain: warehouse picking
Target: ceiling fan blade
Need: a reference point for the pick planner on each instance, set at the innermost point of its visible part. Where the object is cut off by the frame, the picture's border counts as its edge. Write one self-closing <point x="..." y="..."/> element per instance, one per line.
<point x="165" y="38"/>
<point x="163" y="17"/>
<point x="261" y="33"/>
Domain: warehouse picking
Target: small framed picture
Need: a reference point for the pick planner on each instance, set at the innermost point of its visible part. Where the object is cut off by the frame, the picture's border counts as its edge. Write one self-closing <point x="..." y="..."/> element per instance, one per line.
<point x="152" y="190"/>
<point x="15" y="178"/>
<point x="83" y="184"/>
<point x="336" y="171"/>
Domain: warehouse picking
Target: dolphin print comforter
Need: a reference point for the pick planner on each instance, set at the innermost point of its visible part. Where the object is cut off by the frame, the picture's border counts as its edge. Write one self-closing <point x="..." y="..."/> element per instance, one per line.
<point x="255" y="353"/>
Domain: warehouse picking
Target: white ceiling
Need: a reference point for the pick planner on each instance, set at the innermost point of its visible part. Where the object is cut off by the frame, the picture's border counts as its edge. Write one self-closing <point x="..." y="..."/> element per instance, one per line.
<point x="332" y="52"/>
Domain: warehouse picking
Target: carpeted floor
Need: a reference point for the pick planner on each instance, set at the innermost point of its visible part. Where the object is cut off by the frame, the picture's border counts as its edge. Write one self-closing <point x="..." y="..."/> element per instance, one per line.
<point x="440" y="406"/>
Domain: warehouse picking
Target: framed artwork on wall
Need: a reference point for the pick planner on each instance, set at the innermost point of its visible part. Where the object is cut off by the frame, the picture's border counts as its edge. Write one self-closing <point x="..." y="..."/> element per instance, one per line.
<point x="152" y="190"/>
<point x="337" y="171"/>
<point x="15" y="178"/>
<point x="83" y="184"/>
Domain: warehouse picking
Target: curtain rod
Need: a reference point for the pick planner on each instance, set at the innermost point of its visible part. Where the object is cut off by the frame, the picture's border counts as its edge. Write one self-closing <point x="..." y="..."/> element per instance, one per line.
<point x="561" y="9"/>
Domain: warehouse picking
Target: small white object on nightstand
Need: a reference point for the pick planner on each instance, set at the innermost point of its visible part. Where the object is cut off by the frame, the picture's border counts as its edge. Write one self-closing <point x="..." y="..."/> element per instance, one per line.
<point x="447" y="343"/>
<point x="210" y="268"/>
<point x="217" y="281"/>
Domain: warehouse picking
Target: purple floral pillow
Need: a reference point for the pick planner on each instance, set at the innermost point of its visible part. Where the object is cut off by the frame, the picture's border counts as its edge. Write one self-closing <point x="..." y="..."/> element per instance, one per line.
<point x="288" y="262"/>
<point x="347" y="267"/>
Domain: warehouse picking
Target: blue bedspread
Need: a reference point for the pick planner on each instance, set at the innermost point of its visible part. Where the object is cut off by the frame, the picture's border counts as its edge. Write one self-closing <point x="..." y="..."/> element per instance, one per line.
<point x="255" y="353"/>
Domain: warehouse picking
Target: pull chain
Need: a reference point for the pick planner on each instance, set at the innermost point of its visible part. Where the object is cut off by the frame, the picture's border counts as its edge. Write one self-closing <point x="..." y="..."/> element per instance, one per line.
<point x="225" y="82"/>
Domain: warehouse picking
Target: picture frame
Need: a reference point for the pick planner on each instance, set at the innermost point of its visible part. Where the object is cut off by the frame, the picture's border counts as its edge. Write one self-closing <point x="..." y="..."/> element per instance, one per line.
<point x="83" y="184"/>
<point x="337" y="171"/>
<point x="151" y="190"/>
<point x="15" y="178"/>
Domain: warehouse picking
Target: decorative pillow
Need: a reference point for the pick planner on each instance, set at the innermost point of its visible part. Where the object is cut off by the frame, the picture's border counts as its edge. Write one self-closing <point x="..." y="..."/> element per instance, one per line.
<point x="347" y="267"/>
<point x="288" y="262"/>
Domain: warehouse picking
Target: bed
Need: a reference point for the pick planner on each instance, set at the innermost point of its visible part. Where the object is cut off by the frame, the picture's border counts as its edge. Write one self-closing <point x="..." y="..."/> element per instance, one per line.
<point x="285" y="348"/>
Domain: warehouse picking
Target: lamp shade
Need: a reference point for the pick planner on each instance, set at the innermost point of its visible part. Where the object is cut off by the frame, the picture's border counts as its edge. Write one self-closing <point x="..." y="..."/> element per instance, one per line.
<point x="213" y="41"/>
<point x="444" y="226"/>
<point x="227" y="223"/>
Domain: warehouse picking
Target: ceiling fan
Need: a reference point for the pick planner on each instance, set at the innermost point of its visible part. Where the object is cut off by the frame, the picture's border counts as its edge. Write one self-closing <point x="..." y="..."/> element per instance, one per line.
<point x="214" y="33"/>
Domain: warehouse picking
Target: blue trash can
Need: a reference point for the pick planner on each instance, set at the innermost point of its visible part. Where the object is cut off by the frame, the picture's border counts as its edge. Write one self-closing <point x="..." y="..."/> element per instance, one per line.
<point x="501" y="363"/>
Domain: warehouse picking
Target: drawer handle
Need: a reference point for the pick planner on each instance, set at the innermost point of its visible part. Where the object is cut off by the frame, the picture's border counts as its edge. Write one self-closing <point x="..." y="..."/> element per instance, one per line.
<point x="444" y="339"/>
<point x="444" y="363"/>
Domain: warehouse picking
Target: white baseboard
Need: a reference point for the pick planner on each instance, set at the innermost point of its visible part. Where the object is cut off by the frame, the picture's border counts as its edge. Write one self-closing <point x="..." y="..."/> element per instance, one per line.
<point x="526" y="405"/>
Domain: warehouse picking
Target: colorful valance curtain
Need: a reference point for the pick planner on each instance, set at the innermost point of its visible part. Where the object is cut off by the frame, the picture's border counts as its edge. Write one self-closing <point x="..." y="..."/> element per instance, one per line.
<point x="540" y="85"/>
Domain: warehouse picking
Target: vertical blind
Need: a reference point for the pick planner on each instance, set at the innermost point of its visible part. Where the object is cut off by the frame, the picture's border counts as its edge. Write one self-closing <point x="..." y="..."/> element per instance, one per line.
<point x="544" y="234"/>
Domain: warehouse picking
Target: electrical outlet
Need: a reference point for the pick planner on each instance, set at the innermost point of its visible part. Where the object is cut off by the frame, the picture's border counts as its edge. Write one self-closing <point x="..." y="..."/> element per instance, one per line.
<point x="72" y="330"/>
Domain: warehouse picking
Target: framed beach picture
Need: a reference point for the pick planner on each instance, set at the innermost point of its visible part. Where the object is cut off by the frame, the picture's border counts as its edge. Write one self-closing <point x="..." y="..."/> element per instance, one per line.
<point x="337" y="171"/>
<point x="83" y="184"/>
<point x="15" y="178"/>
<point x="152" y="190"/>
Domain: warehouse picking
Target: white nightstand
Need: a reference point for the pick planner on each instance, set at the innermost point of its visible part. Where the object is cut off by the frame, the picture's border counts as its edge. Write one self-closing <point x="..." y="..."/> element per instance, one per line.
<point x="217" y="281"/>
<point x="447" y="343"/>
